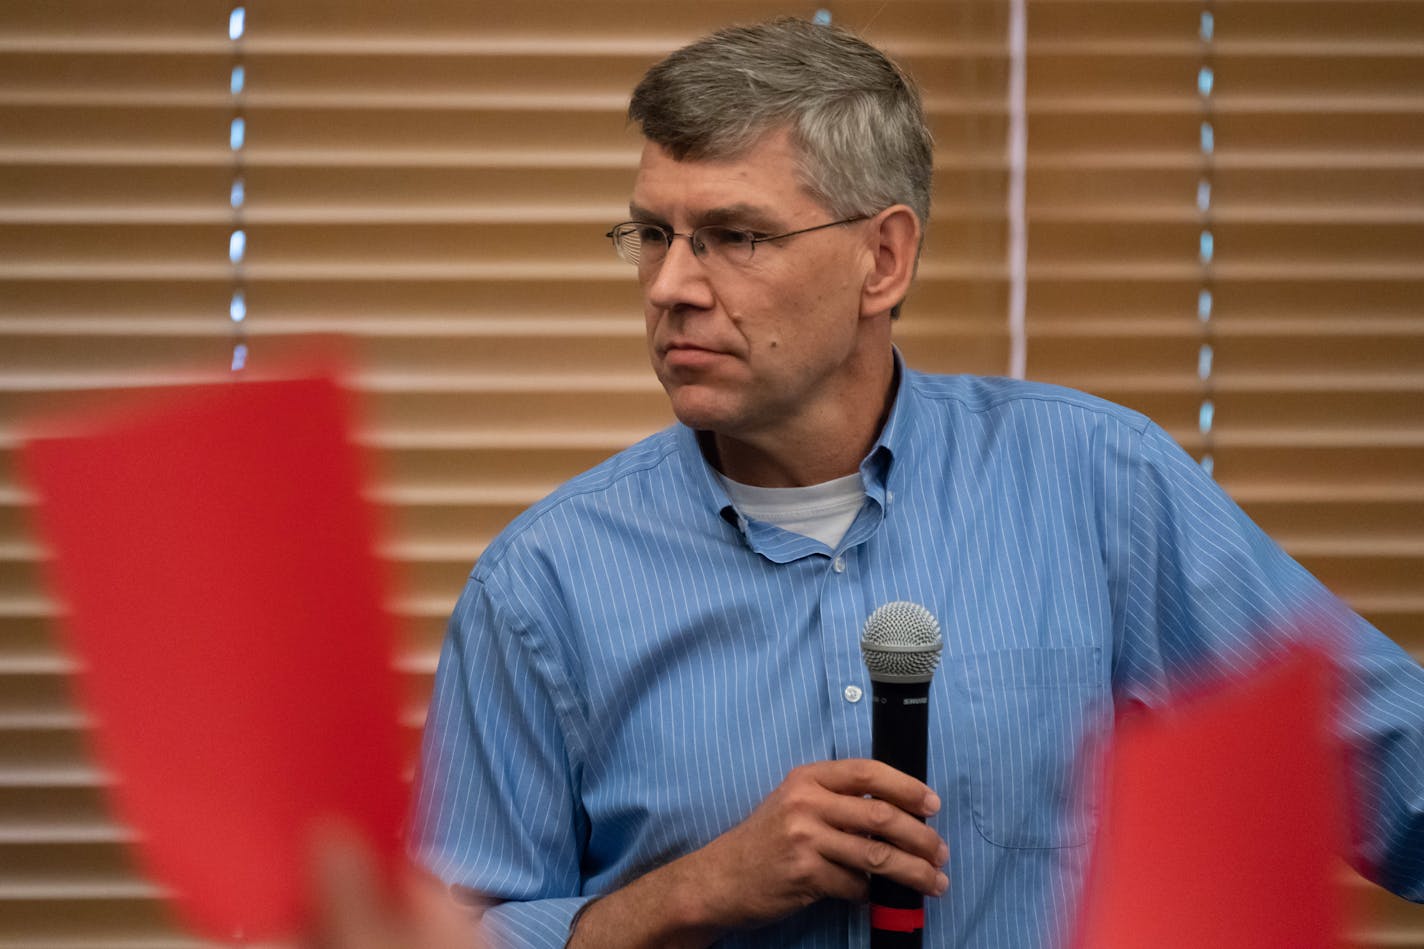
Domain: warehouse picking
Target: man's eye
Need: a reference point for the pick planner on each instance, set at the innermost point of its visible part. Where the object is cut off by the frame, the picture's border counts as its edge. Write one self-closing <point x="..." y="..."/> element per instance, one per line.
<point x="727" y="236"/>
<point x="648" y="234"/>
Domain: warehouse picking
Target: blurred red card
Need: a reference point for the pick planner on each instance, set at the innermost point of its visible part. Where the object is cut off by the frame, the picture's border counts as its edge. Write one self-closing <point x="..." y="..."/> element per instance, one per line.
<point x="216" y="563"/>
<point x="1224" y="824"/>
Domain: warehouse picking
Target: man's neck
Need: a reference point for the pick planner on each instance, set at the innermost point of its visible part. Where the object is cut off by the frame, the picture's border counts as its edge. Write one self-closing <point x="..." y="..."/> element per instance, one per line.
<point x="810" y="454"/>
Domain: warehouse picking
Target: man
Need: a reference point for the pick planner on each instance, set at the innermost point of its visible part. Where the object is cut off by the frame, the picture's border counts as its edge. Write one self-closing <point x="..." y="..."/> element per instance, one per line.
<point x="652" y="691"/>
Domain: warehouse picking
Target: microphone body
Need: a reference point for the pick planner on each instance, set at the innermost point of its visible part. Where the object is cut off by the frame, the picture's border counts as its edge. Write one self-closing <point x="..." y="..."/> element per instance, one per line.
<point x="899" y="736"/>
<point x="901" y="647"/>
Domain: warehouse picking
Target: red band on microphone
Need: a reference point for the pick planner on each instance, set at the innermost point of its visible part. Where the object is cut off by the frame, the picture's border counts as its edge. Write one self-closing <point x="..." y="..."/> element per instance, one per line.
<point x="896" y="920"/>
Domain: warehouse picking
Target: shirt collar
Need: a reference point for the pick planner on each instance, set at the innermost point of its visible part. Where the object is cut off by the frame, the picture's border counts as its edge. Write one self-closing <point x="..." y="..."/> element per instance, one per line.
<point x="876" y="468"/>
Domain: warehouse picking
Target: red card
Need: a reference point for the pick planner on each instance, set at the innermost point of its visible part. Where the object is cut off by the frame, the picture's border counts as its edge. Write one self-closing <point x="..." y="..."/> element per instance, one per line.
<point x="1224" y="822"/>
<point x="216" y="564"/>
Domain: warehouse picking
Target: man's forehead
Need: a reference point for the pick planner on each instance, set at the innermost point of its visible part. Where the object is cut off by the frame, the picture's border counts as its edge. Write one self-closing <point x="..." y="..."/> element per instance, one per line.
<point x="658" y="158"/>
<point x="758" y="184"/>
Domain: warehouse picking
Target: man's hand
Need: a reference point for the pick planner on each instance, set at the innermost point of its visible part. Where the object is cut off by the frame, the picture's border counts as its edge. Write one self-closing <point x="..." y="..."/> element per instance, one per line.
<point x="810" y="839"/>
<point x="355" y="910"/>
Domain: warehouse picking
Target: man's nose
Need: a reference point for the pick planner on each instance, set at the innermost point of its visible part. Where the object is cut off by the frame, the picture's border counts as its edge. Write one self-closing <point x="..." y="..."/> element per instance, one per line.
<point x="680" y="280"/>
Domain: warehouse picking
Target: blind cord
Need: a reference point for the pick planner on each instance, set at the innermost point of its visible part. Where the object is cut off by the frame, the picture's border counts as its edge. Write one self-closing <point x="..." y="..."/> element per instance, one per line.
<point x="237" y="195"/>
<point x="1206" y="248"/>
<point x="1017" y="215"/>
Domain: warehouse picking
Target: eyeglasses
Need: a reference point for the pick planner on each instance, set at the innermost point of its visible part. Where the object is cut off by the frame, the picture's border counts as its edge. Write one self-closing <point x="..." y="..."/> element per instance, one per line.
<point x="645" y="245"/>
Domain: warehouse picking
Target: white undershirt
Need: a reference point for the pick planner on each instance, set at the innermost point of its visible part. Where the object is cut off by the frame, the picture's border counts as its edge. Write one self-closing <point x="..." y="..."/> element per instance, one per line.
<point x="821" y="511"/>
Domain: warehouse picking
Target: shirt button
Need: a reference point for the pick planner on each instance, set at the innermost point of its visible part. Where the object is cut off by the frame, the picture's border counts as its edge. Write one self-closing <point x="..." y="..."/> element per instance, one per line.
<point x="853" y="693"/>
<point x="839" y="565"/>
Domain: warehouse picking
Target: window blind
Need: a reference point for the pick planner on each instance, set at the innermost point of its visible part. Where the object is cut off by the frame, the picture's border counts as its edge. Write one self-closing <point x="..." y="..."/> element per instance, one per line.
<point x="1317" y="220"/>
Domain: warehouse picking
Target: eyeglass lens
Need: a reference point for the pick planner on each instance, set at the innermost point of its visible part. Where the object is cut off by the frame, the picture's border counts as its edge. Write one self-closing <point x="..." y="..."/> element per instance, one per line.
<point x="646" y="245"/>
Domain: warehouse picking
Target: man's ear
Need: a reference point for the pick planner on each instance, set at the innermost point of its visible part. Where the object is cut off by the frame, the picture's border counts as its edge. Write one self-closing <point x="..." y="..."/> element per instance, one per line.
<point x="895" y="233"/>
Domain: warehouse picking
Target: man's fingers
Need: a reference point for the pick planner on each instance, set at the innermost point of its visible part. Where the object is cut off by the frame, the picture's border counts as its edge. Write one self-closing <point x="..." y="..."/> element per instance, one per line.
<point x="859" y="776"/>
<point x="876" y="818"/>
<point x="869" y="834"/>
<point x="882" y="834"/>
<point x="437" y="920"/>
<point x="355" y="909"/>
<point x="821" y="833"/>
<point x="867" y="855"/>
<point x="351" y="898"/>
<point x="843" y="883"/>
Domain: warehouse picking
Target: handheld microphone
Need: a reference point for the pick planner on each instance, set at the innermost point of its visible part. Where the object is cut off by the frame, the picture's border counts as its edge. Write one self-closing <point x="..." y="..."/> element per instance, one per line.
<point x="901" y="646"/>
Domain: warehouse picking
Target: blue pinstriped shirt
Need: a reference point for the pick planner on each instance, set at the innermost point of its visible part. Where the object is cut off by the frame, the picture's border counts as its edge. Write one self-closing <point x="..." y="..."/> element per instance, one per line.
<point x="633" y="666"/>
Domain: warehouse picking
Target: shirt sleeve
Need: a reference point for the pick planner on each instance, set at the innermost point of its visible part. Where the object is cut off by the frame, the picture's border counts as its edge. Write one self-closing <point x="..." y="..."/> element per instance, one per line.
<point x="1202" y="592"/>
<point x="497" y="811"/>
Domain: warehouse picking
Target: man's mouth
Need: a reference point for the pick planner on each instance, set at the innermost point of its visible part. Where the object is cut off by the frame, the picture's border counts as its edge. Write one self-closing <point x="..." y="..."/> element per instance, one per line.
<point x="684" y="354"/>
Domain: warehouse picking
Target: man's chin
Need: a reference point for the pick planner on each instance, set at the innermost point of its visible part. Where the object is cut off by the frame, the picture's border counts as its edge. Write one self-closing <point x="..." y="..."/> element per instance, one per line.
<point x="700" y="409"/>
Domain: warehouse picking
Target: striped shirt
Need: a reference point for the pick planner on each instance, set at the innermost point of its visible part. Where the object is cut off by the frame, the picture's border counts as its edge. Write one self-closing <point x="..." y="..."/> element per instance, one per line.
<point x="633" y="665"/>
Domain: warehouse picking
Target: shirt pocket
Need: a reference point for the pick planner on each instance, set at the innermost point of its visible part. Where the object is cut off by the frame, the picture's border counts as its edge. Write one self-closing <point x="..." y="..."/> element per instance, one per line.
<point x="1035" y="715"/>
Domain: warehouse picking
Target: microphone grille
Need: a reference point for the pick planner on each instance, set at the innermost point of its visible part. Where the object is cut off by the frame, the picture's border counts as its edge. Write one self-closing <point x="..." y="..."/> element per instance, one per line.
<point x="901" y="643"/>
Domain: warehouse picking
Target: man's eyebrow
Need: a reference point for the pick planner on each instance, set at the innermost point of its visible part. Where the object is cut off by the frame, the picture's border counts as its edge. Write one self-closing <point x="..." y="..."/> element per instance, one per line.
<point x="741" y="215"/>
<point x="636" y="213"/>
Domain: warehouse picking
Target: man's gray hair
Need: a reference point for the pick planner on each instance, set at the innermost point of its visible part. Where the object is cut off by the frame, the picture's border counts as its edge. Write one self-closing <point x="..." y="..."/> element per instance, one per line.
<point x="854" y="116"/>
